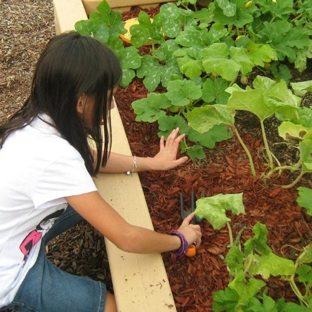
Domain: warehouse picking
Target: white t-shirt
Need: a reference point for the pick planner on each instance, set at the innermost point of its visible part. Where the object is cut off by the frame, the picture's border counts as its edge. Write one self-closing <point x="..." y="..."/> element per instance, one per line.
<point x="38" y="168"/>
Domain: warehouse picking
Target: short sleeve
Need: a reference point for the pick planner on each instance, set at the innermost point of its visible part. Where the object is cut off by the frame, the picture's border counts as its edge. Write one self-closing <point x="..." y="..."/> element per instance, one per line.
<point x="64" y="177"/>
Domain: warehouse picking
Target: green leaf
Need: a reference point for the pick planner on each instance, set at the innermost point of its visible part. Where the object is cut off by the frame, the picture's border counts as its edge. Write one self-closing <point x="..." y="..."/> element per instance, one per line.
<point x="108" y="15"/>
<point x="300" y="88"/>
<point x="213" y="208"/>
<point x="259" y="241"/>
<point x="216" y="61"/>
<point x="183" y="92"/>
<point x="290" y="131"/>
<point x="173" y="19"/>
<point x="305" y="274"/>
<point x="166" y="50"/>
<point x="204" y="16"/>
<point x="170" y="72"/>
<point x="268" y="97"/>
<point x="127" y="77"/>
<point x="217" y="133"/>
<point x="193" y="37"/>
<point x="203" y="118"/>
<point x="151" y="72"/>
<point x="129" y="58"/>
<point x="261" y="53"/>
<point x="246" y="289"/>
<point x="304" y="117"/>
<point x="113" y="19"/>
<point x="305" y="148"/>
<point x="250" y="100"/>
<point x="146" y="31"/>
<point x="214" y="91"/>
<point x="225" y="300"/>
<point x="239" y="55"/>
<point x="306" y="255"/>
<point x="189" y="66"/>
<point x="290" y="306"/>
<point x="229" y="13"/>
<point x="228" y="8"/>
<point x="304" y="199"/>
<point x="279" y="93"/>
<point x="268" y="305"/>
<point x="235" y="259"/>
<point x="196" y="152"/>
<point x="271" y="265"/>
<point x="150" y="109"/>
<point x="167" y="123"/>
<point x="280" y="71"/>
<point x="284" y="38"/>
<point x="116" y="44"/>
<point x="83" y="27"/>
<point x="302" y="56"/>
<point x="280" y="9"/>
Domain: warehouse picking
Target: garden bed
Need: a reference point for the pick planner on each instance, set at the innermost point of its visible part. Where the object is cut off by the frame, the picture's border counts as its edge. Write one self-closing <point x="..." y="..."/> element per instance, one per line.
<point x="224" y="170"/>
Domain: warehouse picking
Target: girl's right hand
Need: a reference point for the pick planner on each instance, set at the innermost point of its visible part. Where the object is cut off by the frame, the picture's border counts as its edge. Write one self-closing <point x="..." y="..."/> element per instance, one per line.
<point x="192" y="232"/>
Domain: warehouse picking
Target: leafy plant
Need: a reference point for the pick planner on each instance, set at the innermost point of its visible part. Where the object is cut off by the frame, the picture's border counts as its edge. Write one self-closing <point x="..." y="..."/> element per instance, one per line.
<point x="250" y="265"/>
<point x="202" y="56"/>
<point x="206" y="117"/>
<point x="214" y="208"/>
<point x="201" y="61"/>
<point x="268" y="98"/>
<point x="106" y="25"/>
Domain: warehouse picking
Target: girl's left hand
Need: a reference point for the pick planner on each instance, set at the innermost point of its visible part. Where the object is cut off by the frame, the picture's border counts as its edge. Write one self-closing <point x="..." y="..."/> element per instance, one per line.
<point x="166" y="158"/>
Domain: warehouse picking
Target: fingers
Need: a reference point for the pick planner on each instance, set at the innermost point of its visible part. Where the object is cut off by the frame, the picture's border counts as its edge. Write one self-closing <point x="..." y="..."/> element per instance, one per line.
<point x="173" y="139"/>
<point x="162" y="143"/>
<point x="181" y="161"/>
<point x="199" y="234"/>
<point x="192" y="231"/>
<point x="188" y="219"/>
<point x="167" y="156"/>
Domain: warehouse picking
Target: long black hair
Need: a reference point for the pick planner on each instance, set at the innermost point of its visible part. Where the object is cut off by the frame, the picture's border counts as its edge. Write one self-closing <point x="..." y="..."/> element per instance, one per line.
<point x="71" y="66"/>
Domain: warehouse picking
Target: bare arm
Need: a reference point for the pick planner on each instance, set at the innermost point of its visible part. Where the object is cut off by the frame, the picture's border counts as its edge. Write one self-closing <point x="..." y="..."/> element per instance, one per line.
<point x="164" y="160"/>
<point x="93" y="208"/>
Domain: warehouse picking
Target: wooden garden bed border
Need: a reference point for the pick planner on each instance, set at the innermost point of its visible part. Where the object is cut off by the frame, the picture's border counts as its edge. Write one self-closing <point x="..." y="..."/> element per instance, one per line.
<point x="121" y="5"/>
<point x="140" y="281"/>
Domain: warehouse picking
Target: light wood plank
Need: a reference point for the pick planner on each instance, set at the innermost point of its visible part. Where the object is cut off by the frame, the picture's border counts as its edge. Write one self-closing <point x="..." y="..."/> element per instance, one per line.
<point x="140" y="281"/>
<point x="122" y="5"/>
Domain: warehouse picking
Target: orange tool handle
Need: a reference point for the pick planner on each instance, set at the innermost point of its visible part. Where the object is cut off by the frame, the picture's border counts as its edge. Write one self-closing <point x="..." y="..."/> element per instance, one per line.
<point x="191" y="252"/>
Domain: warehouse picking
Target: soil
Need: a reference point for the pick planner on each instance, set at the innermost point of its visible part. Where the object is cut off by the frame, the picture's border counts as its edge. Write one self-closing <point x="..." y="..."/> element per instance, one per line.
<point x="225" y="169"/>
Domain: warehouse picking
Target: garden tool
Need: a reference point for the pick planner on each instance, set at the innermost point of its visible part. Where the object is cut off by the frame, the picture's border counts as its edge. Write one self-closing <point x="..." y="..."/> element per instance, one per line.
<point x="196" y="220"/>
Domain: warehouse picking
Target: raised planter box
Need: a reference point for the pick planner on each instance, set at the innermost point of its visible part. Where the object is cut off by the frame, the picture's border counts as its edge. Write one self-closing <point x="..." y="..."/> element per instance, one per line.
<point x="140" y="281"/>
<point x="121" y="5"/>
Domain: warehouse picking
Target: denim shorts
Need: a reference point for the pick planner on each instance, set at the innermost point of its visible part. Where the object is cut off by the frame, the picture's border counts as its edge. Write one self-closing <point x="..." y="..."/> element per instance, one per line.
<point x="46" y="288"/>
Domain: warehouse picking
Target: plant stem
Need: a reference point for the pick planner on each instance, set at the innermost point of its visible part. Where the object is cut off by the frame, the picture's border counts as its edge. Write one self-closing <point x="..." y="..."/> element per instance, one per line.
<point x="248" y="262"/>
<point x="266" y="144"/>
<point x="252" y="166"/>
<point x="230" y="234"/>
<point x="294" y="182"/>
<point x="280" y="168"/>
<point x="295" y="289"/>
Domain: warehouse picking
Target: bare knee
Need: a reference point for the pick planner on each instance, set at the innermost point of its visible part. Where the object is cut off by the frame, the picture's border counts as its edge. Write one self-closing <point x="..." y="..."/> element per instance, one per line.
<point x="110" y="305"/>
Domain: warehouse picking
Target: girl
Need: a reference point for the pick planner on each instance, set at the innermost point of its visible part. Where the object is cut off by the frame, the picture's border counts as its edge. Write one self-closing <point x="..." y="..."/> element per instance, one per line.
<point x="46" y="184"/>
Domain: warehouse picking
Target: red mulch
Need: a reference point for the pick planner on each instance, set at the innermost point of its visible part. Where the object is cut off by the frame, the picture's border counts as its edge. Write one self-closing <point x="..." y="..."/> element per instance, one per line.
<point x="225" y="170"/>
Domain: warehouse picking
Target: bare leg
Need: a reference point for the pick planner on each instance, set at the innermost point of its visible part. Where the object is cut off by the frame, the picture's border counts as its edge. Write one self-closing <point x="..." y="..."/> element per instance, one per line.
<point x="110" y="305"/>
